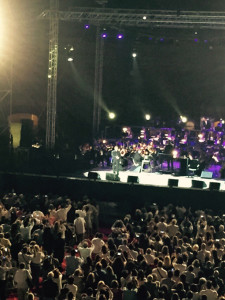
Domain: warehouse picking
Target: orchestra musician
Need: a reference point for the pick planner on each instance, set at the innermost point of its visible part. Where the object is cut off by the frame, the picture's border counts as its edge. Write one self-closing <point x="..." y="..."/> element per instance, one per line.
<point x="116" y="160"/>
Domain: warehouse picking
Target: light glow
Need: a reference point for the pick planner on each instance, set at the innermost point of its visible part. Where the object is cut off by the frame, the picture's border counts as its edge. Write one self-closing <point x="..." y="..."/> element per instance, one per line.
<point x="134" y="54"/>
<point x="147" y="117"/>
<point x="183" y="119"/>
<point x="112" y="115"/>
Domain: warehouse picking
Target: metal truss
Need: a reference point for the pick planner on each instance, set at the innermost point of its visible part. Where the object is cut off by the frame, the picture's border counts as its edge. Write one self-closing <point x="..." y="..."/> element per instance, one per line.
<point x="143" y="18"/>
<point x="52" y="74"/>
<point x="114" y="18"/>
<point x="99" y="55"/>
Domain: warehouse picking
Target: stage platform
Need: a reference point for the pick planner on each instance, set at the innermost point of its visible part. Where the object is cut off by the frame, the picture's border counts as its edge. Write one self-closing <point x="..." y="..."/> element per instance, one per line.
<point x="159" y="179"/>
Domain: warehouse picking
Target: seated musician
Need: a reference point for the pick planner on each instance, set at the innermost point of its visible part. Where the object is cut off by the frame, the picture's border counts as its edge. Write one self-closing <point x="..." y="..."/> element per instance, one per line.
<point x="137" y="158"/>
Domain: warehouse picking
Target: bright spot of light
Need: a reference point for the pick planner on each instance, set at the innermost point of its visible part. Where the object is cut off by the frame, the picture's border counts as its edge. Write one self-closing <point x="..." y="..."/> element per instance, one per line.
<point x="134" y="54"/>
<point x="175" y="153"/>
<point x="183" y="119"/>
<point x="70" y="59"/>
<point x="112" y="115"/>
<point x="71" y="48"/>
<point x="49" y="76"/>
<point x="120" y="36"/>
<point x="147" y="117"/>
<point x="144" y="17"/>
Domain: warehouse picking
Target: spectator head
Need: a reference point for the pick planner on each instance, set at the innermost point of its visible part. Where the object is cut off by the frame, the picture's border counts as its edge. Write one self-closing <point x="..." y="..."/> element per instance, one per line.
<point x="73" y="252"/>
<point x="22" y="265"/>
<point x="169" y="274"/>
<point x="114" y="284"/>
<point x="70" y="280"/>
<point x="85" y="244"/>
<point x="89" y="291"/>
<point x="30" y="296"/>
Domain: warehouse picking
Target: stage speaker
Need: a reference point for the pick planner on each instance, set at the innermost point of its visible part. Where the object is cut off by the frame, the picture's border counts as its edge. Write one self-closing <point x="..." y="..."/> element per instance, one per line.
<point x="132" y="179"/>
<point x="173" y="182"/>
<point x="93" y="175"/>
<point x="183" y="167"/>
<point x="112" y="177"/>
<point x="198" y="184"/>
<point x="214" y="186"/>
<point x="206" y="174"/>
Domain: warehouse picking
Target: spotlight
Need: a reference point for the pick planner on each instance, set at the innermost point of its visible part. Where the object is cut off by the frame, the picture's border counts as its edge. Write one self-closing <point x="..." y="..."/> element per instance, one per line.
<point x="120" y="36"/>
<point x="104" y="35"/>
<point x="112" y="115"/>
<point x="49" y="76"/>
<point x="183" y="119"/>
<point x="144" y="17"/>
<point x="147" y="117"/>
<point x="70" y="59"/>
<point x="134" y="54"/>
<point x="87" y="26"/>
<point x="196" y="40"/>
<point x="71" y="49"/>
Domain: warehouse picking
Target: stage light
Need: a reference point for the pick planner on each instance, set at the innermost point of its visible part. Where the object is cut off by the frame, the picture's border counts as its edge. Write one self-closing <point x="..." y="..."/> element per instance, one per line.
<point x="87" y="26"/>
<point x="144" y="17"/>
<point x="71" y="49"/>
<point x="49" y="76"/>
<point x="70" y="59"/>
<point x="104" y="35"/>
<point x="112" y="115"/>
<point x="175" y="153"/>
<point x="134" y="54"/>
<point x="196" y="32"/>
<point x="120" y="36"/>
<point x="147" y="117"/>
<point x="183" y="119"/>
<point x="196" y="40"/>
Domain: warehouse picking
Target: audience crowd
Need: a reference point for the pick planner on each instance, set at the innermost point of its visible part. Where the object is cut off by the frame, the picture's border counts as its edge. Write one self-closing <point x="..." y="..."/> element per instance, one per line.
<point x="52" y="248"/>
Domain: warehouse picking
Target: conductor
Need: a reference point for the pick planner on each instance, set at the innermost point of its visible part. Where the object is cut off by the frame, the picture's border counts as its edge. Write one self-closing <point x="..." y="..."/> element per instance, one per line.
<point x="116" y="160"/>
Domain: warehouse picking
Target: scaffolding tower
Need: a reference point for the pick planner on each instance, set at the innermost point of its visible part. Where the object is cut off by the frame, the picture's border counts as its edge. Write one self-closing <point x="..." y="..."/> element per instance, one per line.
<point x="52" y="74"/>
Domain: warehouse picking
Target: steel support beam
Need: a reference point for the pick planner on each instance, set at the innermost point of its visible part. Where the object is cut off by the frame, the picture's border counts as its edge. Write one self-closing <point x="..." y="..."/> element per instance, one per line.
<point x="99" y="55"/>
<point x="52" y="74"/>
<point x="152" y="18"/>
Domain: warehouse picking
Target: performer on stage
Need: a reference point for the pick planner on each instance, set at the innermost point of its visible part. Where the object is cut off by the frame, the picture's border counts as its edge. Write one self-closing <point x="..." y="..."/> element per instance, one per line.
<point x="116" y="160"/>
<point x="169" y="153"/>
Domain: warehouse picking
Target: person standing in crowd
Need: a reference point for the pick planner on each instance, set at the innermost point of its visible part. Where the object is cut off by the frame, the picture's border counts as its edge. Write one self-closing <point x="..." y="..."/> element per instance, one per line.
<point x="21" y="277"/>
<point x="79" y="225"/>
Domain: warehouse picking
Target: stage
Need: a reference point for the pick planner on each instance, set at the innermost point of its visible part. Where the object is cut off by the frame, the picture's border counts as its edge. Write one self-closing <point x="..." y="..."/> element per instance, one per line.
<point x="159" y="179"/>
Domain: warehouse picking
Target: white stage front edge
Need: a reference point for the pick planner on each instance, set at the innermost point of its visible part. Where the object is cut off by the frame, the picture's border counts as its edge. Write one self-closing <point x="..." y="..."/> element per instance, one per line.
<point x="158" y="179"/>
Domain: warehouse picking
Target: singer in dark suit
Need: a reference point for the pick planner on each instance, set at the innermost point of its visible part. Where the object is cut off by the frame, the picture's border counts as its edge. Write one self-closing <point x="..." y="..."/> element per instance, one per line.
<point x="116" y="160"/>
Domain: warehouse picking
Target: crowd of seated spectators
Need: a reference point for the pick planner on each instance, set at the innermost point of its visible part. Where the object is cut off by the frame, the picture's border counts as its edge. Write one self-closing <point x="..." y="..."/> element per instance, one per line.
<point x="51" y="248"/>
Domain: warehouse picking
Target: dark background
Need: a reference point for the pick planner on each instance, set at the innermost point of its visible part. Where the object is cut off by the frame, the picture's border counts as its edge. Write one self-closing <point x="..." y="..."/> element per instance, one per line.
<point x="171" y="77"/>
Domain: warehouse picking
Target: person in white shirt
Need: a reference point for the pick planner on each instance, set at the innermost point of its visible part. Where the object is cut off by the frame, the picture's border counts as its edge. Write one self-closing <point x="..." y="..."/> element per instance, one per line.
<point x="20" y="281"/>
<point x="98" y="242"/>
<point x="25" y="257"/>
<point x="62" y="212"/>
<point x="79" y="226"/>
<point x="172" y="228"/>
<point x="159" y="272"/>
<point x="209" y="291"/>
<point x="84" y="250"/>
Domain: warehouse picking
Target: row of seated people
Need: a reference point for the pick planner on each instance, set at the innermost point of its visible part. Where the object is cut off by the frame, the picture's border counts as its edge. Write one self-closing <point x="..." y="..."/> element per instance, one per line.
<point x="154" y="253"/>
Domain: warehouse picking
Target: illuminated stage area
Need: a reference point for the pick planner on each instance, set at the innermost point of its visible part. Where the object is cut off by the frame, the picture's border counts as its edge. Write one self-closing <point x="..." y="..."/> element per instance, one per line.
<point x="162" y="180"/>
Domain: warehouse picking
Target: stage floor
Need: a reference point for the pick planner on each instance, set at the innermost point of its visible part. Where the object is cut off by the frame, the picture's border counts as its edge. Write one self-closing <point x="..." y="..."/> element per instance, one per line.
<point x="159" y="179"/>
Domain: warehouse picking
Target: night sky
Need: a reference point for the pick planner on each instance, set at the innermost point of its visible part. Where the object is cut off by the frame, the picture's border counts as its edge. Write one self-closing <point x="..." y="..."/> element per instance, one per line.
<point x="175" y="76"/>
